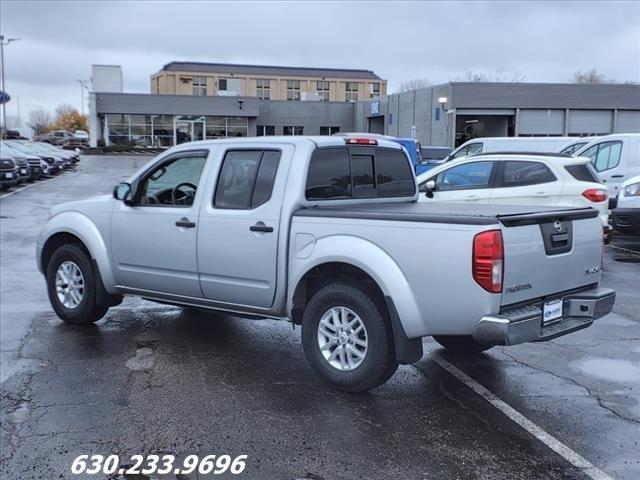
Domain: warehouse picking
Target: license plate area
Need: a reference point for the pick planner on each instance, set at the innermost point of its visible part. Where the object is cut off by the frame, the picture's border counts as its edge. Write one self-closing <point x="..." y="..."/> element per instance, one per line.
<point x="551" y="310"/>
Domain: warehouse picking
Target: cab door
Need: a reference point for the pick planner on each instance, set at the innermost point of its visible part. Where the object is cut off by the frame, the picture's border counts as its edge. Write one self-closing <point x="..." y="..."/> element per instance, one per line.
<point x="469" y="182"/>
<point x="239" y="227"/>
<point x="153" y="240"/>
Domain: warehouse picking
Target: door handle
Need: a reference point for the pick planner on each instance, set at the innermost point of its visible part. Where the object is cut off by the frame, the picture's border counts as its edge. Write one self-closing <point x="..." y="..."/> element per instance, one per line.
<point x="185" y="223"/>
<point x="617" y="176"/>
<point x="541" y="194"/>
<point x="260" y="227"/>
<point x="471" y="198"/>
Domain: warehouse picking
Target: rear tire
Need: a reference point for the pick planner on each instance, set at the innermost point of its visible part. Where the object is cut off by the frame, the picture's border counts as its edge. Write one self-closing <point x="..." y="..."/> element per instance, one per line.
<point x="357" y="354"/>
<point x="461" y="344"/>
<point x="71" y="285"/>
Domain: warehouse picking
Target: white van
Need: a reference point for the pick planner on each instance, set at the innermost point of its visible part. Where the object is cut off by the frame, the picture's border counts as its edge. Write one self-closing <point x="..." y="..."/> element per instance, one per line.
<point x="616" y="158"/>
<point x="572" y="147"/>
<point x="509" y="144"/>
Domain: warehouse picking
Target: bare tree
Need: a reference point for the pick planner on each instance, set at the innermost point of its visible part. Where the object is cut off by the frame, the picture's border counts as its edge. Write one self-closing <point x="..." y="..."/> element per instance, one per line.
<point x="39" y="121"/>
<point x="414" y="84"/>
<point x="590" y="76"/>
<point x="499" y="75"/>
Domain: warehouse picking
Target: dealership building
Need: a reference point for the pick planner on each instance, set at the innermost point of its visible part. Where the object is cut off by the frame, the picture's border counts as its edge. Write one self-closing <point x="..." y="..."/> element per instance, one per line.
<point x="195" y="101"/>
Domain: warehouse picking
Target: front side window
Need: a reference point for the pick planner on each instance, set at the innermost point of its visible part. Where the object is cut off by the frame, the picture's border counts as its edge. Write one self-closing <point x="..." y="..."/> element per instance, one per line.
<point x="520" y="174"/>
<point x="469" y="150"/>
<point x="173" y="183"/>
<point x="472" y="175"/>
<point x="605" y="155"/>
<point x="293" y="90"/>
<point x="199" y="86"/>
<point x="246" y="178"/>
<point x="351" y="91"/>
<point x="571" y="149"/>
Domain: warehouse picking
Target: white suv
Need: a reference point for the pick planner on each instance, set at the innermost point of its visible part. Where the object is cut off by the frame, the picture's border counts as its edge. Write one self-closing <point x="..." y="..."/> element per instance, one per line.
<point x="517" y="179"/>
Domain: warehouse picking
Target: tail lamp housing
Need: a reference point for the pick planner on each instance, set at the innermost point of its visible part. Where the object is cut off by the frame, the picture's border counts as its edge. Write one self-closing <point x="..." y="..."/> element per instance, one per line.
<point x="595" y="195"/>
<point x="488" y="260"/>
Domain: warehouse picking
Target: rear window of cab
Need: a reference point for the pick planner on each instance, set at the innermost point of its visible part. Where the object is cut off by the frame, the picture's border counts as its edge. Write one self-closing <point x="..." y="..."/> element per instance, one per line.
<point x="359" y="172"/>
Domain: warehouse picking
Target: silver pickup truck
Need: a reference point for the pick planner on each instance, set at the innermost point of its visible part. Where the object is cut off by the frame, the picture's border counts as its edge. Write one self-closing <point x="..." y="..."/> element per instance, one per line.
<point x="326" y="232"/>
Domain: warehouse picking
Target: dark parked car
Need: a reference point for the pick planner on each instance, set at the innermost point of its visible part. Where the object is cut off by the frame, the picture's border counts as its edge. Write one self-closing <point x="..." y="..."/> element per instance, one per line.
<point x="8" y="173"/>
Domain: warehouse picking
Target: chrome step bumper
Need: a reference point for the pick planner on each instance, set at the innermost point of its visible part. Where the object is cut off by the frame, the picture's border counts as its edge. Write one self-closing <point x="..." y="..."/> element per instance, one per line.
<point x="522" y="324"/>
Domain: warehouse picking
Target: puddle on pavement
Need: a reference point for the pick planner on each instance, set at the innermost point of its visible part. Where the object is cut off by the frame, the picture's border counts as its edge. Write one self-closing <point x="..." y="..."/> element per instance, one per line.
<point x="609" y="369"/>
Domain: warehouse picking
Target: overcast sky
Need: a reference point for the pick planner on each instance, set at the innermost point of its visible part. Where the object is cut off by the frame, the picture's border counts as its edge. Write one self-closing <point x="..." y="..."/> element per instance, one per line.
<point x="400" y="41"/>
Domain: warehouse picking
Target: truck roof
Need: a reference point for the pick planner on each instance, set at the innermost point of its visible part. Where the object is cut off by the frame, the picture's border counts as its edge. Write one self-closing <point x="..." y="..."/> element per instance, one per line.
<point x="319" y="141"/>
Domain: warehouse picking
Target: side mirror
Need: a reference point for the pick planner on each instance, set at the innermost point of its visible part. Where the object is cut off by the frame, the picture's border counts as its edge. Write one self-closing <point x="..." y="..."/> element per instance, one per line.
<point x="429" y="187"/>
<point x="122" y="192"/>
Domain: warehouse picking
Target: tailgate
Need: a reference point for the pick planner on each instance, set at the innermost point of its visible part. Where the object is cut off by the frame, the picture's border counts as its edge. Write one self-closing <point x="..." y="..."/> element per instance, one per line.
<point x="550" y="252"/>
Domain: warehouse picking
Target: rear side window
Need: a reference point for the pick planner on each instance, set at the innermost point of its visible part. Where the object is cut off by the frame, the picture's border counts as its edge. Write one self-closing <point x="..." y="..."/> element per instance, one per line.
<point x="359" y="172"/>
<point x="582" y="173"/>
<point x="246" y="178"/>
<point x="520" y="174"/>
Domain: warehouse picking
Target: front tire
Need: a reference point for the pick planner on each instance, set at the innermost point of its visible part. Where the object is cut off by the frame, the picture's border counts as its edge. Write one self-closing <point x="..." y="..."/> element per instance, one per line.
<point x="71" y="285"/>
<point x="461" y="344"/>
<point x="347" y="338"/>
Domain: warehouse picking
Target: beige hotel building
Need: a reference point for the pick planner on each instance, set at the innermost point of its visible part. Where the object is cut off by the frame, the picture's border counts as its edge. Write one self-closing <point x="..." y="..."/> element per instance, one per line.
<point x="267" y="82"/>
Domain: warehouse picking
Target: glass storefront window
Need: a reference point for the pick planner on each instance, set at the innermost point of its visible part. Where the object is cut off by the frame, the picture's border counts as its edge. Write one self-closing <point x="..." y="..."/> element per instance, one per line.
<point x="162" y="130"/>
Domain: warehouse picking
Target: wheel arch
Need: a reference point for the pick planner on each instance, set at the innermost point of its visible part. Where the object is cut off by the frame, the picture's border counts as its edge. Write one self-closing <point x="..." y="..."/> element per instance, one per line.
<point x="74" y="227"/>
<point x="367" y="264"/>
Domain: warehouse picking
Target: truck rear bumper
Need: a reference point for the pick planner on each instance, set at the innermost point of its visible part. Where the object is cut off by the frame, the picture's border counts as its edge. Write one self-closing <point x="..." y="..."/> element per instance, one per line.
<point x="522" y="324"/>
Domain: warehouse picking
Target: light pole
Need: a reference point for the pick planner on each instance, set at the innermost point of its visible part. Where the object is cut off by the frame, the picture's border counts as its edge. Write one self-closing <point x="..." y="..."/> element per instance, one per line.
<point x="4" y="42"/>
<point x="82" y="87"/>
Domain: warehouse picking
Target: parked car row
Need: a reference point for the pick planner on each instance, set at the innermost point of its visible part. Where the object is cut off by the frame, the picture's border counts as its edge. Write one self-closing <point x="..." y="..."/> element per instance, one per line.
<point x="23" y="161"/>
<point x="588" y="171"/>
<point x="65" y="139"/>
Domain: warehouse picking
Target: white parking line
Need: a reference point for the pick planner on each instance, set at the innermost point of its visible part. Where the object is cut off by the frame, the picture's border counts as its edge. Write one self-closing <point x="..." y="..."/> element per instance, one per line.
<point x="622" y="249"/>
<point x="553" y="443"/>
<point x="37" y="182"/>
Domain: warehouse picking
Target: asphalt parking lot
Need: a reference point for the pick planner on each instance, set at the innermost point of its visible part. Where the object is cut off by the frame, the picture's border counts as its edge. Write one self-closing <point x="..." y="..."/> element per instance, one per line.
<point x="156" y="379"/>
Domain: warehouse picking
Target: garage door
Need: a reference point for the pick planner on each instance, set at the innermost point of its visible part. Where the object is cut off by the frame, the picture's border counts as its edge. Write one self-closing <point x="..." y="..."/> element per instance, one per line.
<point x="628" y="121"/>
<point x="541" y="122"/>
<point x="590" y="122"/>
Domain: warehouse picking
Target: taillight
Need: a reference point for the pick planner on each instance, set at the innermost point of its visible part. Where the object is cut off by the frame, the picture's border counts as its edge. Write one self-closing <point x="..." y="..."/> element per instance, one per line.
<point x="360" y="141"/>
<point x="488" y="260"/>
<point x="595" y="195"/>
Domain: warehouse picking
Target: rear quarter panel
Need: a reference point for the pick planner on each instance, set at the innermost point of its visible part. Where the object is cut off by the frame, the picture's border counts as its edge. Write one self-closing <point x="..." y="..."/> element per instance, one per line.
<point x="424" y="267"/>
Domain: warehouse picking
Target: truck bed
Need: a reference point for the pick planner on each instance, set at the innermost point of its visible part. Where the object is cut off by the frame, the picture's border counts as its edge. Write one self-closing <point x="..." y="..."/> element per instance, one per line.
<point x="450" y="213"/>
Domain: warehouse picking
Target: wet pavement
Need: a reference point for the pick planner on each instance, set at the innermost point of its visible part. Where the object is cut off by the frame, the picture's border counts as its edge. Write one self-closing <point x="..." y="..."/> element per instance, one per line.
<point x="152" y="379"/>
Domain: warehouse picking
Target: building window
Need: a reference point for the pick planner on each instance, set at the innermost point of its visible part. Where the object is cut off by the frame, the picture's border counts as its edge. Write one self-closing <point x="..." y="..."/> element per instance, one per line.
<point x="329" y="130"/>
<point x="293" y="89"/>
<point x="222" y="84"/>
<point x="265" y="130"/>
<point x="199" y="86"/>
<point x="322" y="88"/>
<point x="351" y="91"/>
<point x="374" y="89"/>
<point x="292" y="130"/>
<point x="263" y="89"/>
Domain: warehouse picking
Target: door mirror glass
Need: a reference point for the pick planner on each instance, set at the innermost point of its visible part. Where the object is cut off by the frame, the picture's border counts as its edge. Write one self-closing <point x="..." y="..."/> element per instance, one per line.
<point x="122" y="192"/>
